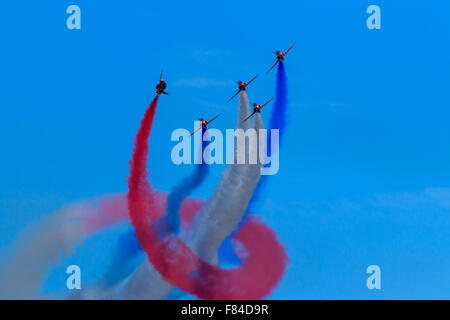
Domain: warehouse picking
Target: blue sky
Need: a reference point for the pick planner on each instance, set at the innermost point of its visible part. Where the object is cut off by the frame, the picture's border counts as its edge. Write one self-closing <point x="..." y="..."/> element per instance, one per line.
<point x="364" y="170"/>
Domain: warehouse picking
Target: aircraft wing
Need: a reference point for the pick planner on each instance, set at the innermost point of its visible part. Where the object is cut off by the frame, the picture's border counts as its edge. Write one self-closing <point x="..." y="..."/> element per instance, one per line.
<point x="251" y="80"/>
<point x="234" y="96"/>
<point x="249" y="116"/>
<point x="195" y="131"/>
<point x="289" y="48"/>
<point x="214" y="118"/>
<point x="266" y="103"/>
<point x="274" y="65"/>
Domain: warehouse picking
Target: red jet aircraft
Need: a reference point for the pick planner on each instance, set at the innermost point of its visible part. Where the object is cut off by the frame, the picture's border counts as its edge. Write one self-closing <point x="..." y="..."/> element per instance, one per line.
<point x="280" y="56"/>
<point x="242" y="87"/>
<point x="204" y="123"/>
<point x="161" y="86"/>
<point x="256" y="108"/>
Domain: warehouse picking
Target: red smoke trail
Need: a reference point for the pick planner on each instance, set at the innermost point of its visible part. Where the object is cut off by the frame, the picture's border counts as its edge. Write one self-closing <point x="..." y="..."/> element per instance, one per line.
<point x="109" y="210"/>
<point x="264" y="259"/>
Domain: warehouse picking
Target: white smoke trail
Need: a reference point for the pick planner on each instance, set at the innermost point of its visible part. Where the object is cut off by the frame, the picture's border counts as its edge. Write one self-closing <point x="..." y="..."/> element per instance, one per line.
<point x="216" y="220"/>
<point x="226" y="207"/>
<point x="41" y="245"/>
<point x="38" y="248"/>
<point x="145" y="283"/>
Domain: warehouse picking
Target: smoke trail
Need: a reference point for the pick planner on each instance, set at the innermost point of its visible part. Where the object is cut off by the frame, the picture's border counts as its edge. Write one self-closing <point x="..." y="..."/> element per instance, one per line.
<point x="39" y="247"/>
<point x="43" y="244"/>
<point x="137" y="183"/>
<point x="135" y="289"/>
<point x="174" y="201"/>
<point x="140" y="204"/>
<point x="219" y="246"/>
<point x="230" y="196"/>
<point x="226" y="207"/>
<point x="124" y="263"/>
<point x="177" y="263"/>
<point x="214" y="224"/>
<point x="129" y="253"/>
<point x="278" y="116"/>
<point x="278" y="121"/>
<point x="185" y="188"/>
<point x="126" y="257"/>
<point x="121" y="267"/>
<point x="96" y="216"/>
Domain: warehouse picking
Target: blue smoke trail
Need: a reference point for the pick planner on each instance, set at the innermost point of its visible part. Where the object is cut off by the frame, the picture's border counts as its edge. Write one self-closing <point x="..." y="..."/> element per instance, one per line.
<point x="277" y="121"/>
<point x="129" y="254"/>
<point x="178" y="194"/>
<point x="214" y="221"/>
<point x="184" y="189"/>
<point x="126" y="258"/>
<point x="279" y="110"/>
